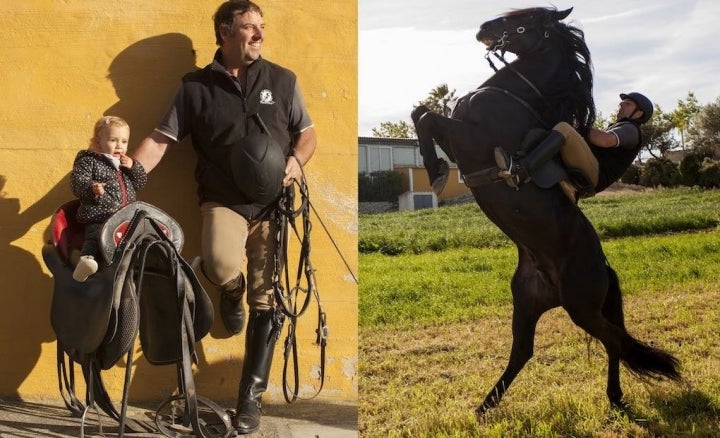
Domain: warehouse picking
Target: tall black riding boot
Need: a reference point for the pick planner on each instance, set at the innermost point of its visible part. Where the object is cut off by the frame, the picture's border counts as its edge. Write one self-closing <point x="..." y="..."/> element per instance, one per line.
<point x="262" y="331"/>
<point x="516" y="171"/>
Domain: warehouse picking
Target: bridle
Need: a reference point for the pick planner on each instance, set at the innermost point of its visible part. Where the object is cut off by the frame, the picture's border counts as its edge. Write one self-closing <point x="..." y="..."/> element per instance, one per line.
<point x="498" y="49"/>
<point x="288" y="296"/>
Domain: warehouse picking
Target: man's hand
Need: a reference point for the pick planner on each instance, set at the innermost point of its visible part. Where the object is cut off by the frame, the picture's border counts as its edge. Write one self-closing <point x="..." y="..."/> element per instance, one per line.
<point x="293" y="171"/>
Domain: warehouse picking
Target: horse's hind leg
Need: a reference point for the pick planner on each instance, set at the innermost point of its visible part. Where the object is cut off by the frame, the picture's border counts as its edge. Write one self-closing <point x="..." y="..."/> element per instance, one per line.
<point x="598" y="311"/>
<point x="531" y="298"/>
<point x="613" y="311"/>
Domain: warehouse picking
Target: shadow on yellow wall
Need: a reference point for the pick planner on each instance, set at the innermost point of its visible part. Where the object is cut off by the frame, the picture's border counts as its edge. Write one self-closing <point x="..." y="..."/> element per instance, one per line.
<point x="23" y="330"/>
<point x="145" y="76"/>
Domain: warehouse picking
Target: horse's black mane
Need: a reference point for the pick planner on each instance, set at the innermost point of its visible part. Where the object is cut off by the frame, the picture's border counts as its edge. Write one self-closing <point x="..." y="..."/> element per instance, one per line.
<point x="572" y="100"/>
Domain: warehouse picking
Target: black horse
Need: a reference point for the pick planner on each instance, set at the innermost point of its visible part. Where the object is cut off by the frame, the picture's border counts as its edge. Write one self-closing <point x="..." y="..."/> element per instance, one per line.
<point x="560" y="259"/>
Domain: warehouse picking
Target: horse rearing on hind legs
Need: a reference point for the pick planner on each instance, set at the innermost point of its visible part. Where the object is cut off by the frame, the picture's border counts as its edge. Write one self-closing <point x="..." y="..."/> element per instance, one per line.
<point x="560" y="258"/>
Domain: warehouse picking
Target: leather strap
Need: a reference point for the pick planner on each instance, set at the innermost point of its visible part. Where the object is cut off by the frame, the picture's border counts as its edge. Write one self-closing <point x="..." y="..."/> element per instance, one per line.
<point x="288" y="302"/>
<point x="482" y="177"/>
<point x="519" y="100"/>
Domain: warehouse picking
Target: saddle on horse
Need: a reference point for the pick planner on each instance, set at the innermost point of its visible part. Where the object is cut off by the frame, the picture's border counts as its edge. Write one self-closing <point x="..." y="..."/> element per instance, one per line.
<point x="144" y="287"/>
<point x="550" y="171"/>
<point x="572" y="180"/>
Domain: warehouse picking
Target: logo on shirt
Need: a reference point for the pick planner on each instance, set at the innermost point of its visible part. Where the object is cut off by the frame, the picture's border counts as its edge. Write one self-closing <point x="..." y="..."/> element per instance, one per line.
<point x="266" y="97"/>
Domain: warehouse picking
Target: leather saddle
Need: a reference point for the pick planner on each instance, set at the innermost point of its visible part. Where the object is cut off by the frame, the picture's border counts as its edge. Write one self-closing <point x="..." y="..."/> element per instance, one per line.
<point x="143" y="288"/>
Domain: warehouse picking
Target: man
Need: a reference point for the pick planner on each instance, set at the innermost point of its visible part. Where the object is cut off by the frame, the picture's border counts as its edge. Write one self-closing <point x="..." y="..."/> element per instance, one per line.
<point x="603" y="161"/>
<point x="238" y="98"/>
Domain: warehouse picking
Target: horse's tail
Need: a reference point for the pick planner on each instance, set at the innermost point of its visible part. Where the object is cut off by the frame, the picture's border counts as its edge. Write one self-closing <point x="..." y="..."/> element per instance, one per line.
<point x="643" y="360"/>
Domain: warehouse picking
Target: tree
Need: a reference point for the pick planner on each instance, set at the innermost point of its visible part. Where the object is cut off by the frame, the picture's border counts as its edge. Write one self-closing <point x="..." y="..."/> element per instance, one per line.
<point x="440" y="100"/>
<point x="380" y="186"/>
<point x="400" y="129"/>
<point x="601" y="122"/>
<point x="660" y="172"/>
<point x="710" y="174"/>
<point x="683" y="115"/>
<point x="691" y="165"/>
<point x="657" y="134"/>
<point x="705" y="130"/>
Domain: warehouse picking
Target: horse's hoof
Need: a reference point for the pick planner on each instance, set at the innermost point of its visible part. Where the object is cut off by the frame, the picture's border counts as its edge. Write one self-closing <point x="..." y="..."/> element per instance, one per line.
<point x="620" y="406"/>
<point x="480" y="412"/>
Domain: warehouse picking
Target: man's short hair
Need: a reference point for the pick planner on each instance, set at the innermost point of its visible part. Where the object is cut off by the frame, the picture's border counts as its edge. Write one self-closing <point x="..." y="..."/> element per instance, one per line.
<point x="225" y="15"/>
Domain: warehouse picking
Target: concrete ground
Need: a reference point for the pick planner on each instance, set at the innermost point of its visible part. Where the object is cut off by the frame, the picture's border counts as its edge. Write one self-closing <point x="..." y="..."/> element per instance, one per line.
<point x="50" y="418"/>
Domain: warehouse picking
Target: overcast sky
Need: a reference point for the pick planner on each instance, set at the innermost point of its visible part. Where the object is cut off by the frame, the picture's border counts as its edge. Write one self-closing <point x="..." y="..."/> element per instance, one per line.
<point x="662" y="48"/>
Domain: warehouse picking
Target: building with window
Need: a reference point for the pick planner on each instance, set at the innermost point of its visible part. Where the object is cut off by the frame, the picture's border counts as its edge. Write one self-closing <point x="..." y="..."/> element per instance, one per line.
<point x="403" y="156"/>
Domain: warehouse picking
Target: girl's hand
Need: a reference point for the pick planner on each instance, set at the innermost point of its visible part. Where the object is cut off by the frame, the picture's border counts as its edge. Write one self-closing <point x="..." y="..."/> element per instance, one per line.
<point x="126" y="161"/>
<point x="98" y="188"/>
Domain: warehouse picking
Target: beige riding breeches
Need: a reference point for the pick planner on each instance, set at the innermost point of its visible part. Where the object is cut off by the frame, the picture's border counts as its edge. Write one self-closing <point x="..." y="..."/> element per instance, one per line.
<point x="576" y="152"/>
<point x="228" y="240"/>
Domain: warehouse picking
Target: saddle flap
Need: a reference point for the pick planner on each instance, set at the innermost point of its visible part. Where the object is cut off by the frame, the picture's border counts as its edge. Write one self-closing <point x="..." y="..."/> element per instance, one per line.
<point x="174" y="307"/>
<point x="549" y="174"/>
<point x="80" y="312"/>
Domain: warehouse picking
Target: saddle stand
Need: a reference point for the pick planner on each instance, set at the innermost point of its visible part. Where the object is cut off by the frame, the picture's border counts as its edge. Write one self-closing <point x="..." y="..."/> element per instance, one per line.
<point x="145" y="288"/>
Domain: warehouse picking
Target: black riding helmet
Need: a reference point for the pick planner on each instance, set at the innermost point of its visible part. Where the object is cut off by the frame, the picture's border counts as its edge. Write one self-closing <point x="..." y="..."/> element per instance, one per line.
<point x="643" y="104"/>
<point x="258" y="167"/>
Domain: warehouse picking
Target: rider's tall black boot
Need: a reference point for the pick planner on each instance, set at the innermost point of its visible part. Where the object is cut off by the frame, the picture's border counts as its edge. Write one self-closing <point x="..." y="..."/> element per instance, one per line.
<point x="516" y="171"/>
<point x="262" y="331"/>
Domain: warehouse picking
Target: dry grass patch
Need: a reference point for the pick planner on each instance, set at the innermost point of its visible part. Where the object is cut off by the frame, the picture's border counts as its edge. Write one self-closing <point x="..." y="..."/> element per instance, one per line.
<point x="426" y="381"/>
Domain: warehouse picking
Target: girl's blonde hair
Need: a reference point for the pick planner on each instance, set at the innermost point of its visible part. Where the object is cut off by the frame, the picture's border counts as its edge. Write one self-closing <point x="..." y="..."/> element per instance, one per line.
<point x="104" y="123"/>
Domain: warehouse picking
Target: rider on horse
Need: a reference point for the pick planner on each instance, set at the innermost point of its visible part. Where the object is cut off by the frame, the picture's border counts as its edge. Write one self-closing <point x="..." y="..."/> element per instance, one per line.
<point x="603" y="161"/>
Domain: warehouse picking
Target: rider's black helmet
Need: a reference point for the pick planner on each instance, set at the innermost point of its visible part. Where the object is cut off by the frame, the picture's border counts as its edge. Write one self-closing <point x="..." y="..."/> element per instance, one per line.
<point x="258" y="167"/>
<point x="643" y="104"/>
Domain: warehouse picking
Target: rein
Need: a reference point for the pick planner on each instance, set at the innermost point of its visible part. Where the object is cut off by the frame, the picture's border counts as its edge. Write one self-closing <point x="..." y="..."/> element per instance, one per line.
<point x="289" y="295"/>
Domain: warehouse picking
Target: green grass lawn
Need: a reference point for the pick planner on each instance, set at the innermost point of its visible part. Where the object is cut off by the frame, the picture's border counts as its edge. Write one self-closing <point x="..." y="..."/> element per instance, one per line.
<point x="464" y="226"/>
<point x="435" y="325"/>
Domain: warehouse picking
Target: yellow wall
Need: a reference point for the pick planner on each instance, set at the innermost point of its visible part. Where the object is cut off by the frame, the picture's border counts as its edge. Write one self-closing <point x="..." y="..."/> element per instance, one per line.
<point x="64" y="64"/>
<point x="421" y="183"/>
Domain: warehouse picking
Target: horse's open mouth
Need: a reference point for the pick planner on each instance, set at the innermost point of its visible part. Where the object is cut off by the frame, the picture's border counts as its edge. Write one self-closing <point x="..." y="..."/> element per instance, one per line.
<point x="489" y="42"/>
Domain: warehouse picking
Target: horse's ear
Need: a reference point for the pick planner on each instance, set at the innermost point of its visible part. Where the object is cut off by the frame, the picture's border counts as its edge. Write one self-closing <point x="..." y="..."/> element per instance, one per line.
<point x="561" y="15"/>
